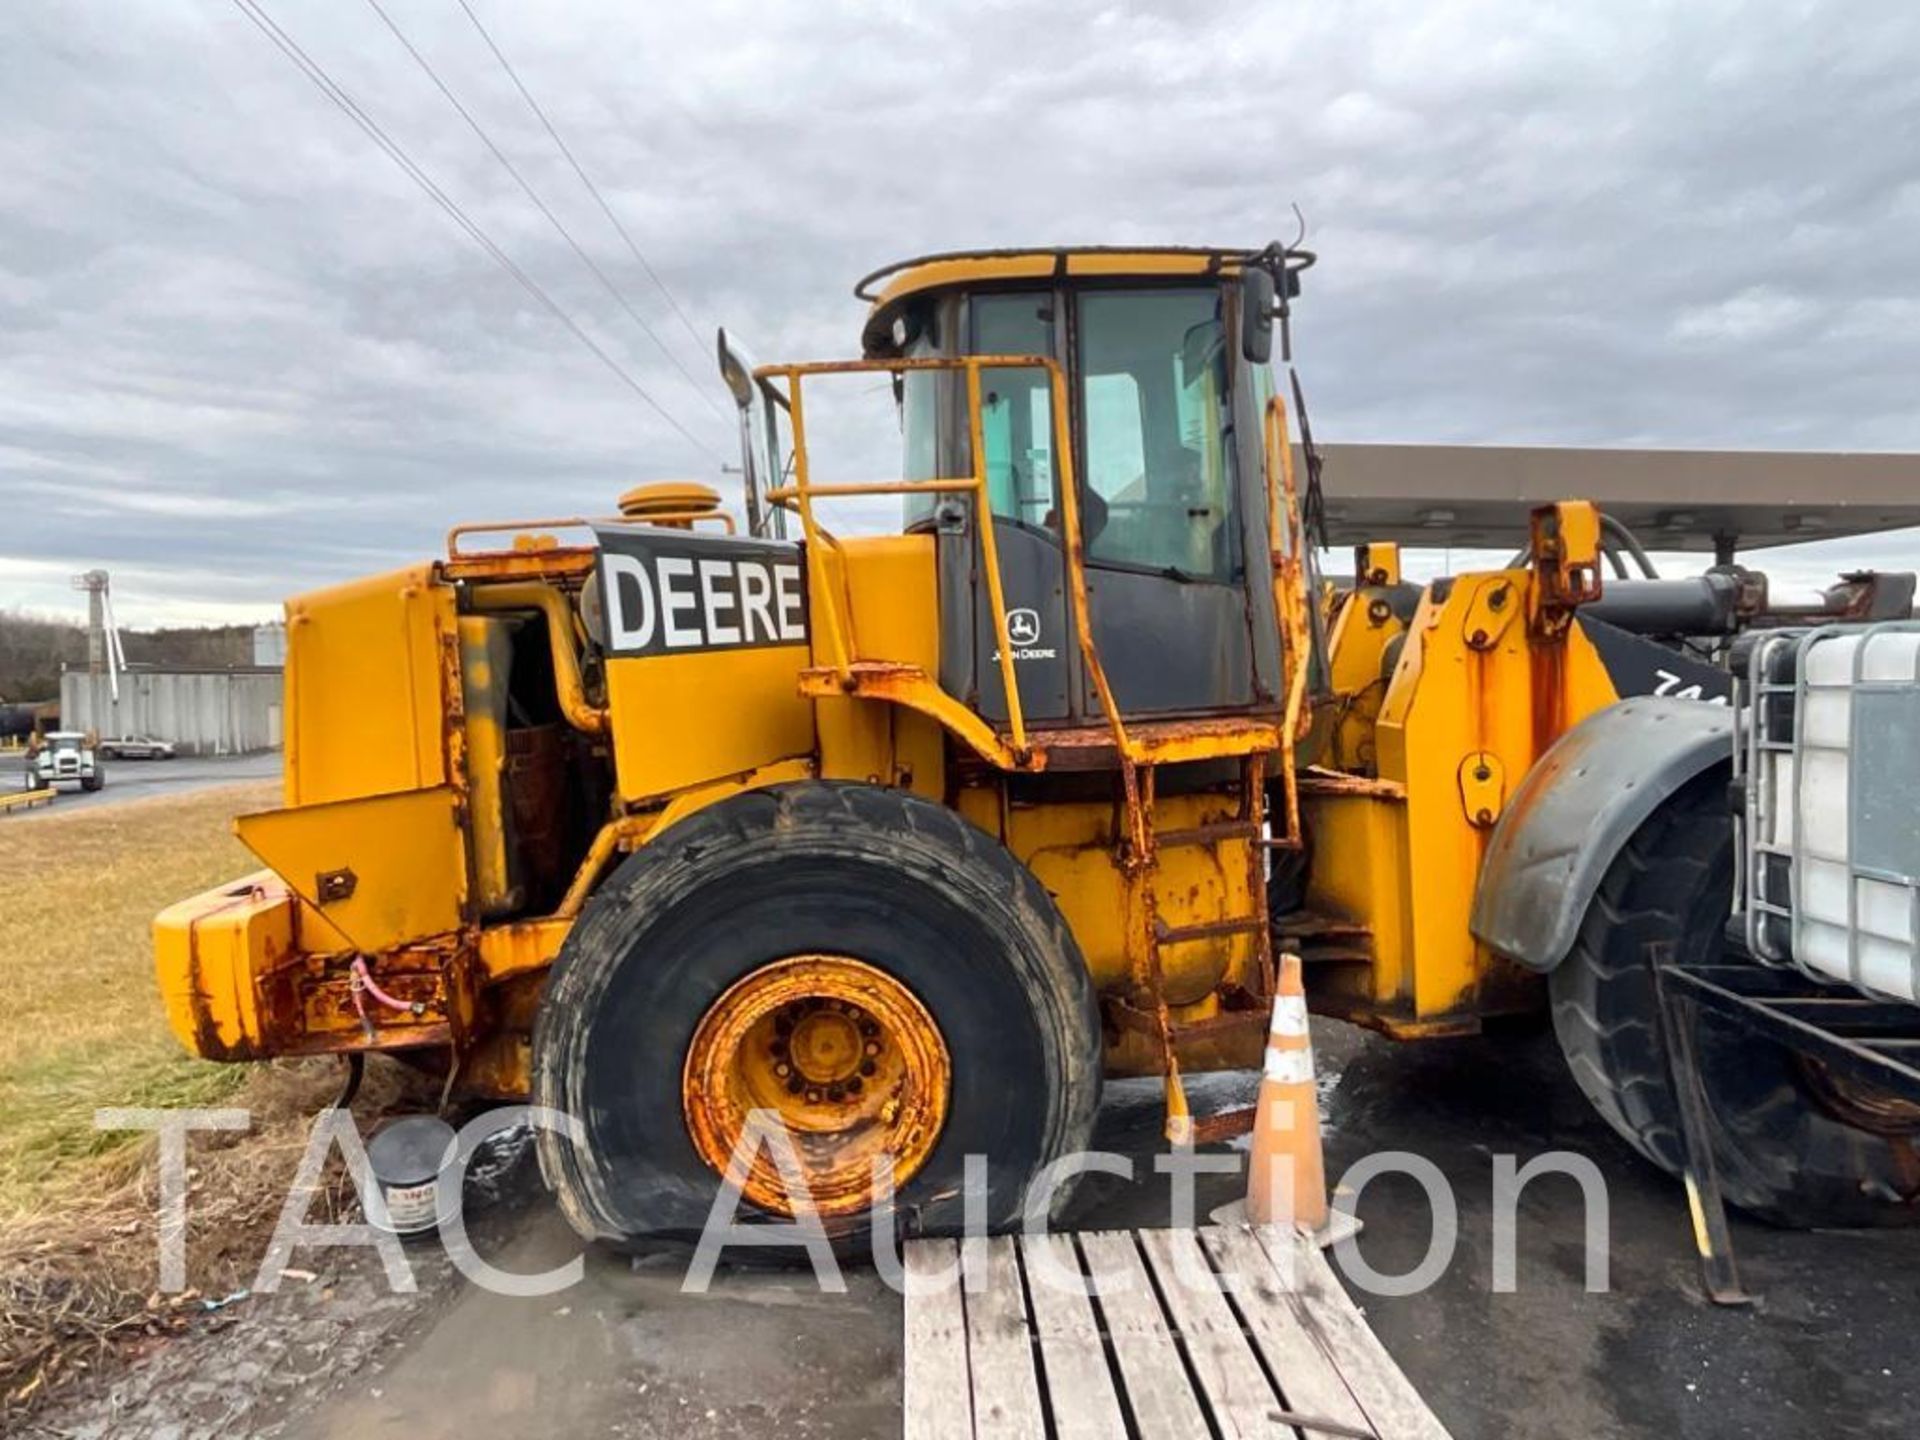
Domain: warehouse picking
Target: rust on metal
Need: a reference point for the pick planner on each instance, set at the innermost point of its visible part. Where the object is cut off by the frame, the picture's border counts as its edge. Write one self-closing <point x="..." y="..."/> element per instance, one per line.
<point x="572" y="563"/>
<point x="847" y="1057"/>
<point x="543" y="544"/>
<point x="1316" y="781"/>
<point x="623" y="833"/>
<point x="1225" y="1125"/>
<point x="520" y="947"/>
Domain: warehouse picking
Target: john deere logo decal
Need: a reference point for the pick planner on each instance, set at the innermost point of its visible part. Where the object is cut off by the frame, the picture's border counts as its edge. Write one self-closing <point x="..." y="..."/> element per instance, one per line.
<point x="1023" y="633"/>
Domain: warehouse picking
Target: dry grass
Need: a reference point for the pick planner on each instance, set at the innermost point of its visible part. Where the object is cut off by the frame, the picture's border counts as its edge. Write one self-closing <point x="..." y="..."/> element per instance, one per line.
<point x="84" y="1026"/>
<point x="84" y="1029"/>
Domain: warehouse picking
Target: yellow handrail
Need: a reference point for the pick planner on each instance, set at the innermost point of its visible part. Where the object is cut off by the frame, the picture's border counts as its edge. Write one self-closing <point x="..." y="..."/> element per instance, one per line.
<point x="990" y="557"/>
<point x="665" y="519"/>
<point x="1288" y="561"/>
<point x="1077" y="569"/>
<point x="802" y="492"/>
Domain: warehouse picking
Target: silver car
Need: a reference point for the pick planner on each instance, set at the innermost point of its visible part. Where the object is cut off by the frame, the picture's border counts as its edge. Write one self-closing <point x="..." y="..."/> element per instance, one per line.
<point x="137" y="747"/>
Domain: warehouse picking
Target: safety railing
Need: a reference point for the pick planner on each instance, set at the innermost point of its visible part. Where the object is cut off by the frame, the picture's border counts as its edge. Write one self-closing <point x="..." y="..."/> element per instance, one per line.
<point x="1290" y="601"/>
<point x="539" y="531"/>
<point x="836" y="625"/>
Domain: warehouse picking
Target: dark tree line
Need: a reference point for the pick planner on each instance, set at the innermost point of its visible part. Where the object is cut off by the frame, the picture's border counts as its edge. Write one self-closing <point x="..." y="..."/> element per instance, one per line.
<point x="33" y="647"/>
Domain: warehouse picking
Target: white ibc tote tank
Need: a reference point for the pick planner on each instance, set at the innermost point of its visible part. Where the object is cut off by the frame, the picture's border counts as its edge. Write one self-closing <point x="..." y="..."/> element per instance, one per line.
<point x="1841" y="803"/>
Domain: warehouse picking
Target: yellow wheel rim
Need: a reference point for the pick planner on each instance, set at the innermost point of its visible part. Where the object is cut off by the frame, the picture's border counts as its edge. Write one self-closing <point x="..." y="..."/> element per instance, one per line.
<point x="846" y="1056"/>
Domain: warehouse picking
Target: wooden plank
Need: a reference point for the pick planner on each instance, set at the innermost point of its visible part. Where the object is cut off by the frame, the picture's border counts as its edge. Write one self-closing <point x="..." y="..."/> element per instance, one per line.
<point x="1006" y="1391"/>
<point x="1235" y="1388"/>
<point x="937" y="1398"/>
<point x="1158" y="1391"/>
<point x="1079" y="1386"/>
<point x="1310" y="1380"/>
<point x="1393" y="1406"/>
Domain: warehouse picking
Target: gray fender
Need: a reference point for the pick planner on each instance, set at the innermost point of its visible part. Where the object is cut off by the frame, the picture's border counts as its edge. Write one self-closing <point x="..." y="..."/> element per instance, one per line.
<point x="1576" y="808"/>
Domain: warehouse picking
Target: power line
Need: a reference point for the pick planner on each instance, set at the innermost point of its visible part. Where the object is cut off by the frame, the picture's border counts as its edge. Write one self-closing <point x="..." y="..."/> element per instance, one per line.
<point x="578" y="169"/>
<point x="542" y="206"/>
<point x="327" y="86"/>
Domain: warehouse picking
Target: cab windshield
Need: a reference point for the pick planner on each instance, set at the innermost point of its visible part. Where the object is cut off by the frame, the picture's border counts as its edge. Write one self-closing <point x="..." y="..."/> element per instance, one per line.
<point x="1156" y="477"/>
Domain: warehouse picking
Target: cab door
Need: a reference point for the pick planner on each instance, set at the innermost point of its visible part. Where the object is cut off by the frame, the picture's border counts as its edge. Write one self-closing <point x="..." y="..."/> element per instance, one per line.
<point x="1017" y="430"/>
<point x="1172" y="502"/>
<point x="1166" y="508"/>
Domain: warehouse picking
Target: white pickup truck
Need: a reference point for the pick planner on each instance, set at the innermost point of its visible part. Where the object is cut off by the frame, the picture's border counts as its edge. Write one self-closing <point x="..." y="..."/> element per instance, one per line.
<point x="65" y="756"/>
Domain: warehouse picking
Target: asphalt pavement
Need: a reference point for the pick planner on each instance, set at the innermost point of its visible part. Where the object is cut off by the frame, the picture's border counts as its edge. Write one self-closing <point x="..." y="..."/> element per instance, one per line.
<point x="139" y="779"/>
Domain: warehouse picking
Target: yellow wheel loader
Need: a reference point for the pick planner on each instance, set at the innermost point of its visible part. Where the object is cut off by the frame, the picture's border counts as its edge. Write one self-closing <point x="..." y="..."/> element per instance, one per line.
<point x="912" y="838"/>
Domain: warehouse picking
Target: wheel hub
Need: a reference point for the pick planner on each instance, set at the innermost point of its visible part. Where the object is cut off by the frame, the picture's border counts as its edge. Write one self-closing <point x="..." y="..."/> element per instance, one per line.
<point x="847" y="1059"/>
<point x="826" y="1044"/>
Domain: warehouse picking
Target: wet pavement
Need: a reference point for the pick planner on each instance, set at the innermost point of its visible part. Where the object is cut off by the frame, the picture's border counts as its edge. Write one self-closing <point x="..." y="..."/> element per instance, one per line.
<point x="625" y="1353"/>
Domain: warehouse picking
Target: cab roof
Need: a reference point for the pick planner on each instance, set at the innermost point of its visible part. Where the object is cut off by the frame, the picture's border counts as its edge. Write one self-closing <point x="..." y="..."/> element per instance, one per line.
<point x="886" y="289"/>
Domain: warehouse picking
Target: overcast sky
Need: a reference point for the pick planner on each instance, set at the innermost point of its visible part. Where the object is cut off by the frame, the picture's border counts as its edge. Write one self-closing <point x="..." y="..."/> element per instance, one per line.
<point x="242" y="355"/>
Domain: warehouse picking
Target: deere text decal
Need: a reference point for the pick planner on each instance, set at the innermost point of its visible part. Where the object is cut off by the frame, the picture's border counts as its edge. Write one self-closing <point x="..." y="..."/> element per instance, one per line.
<point x="665" y="592"/>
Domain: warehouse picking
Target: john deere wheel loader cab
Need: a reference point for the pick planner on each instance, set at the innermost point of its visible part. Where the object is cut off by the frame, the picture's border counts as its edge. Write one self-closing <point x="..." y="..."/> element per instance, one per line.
<point x="901" y="841"/>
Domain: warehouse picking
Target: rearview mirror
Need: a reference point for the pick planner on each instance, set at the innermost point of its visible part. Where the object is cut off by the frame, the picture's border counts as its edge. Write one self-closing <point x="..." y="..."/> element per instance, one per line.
<point x="1256" y="314"/>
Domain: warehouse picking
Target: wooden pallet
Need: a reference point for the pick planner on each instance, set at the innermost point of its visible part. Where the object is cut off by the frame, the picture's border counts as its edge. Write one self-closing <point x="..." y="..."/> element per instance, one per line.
<point x="1226" y="1330"/>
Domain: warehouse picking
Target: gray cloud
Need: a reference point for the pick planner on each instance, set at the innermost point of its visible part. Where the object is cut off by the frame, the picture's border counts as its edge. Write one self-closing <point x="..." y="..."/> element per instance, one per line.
<point x="242" y="355"/>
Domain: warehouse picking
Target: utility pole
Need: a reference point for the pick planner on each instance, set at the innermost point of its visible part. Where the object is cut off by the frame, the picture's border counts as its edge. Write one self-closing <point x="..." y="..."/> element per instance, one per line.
<point x="103" y="651"/>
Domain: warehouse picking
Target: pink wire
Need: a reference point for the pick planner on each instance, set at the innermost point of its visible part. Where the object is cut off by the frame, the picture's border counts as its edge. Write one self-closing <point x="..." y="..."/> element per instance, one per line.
<point x="359" y="971"/>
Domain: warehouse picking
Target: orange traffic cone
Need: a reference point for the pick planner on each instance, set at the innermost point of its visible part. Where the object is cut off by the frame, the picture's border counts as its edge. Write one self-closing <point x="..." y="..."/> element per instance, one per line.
<point x="1287" y="1184"/>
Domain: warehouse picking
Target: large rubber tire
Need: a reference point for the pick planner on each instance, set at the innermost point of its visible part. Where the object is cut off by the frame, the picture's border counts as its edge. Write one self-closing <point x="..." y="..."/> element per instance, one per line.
<point x="1779" y="1155"/>
<point x="898" y="882"/>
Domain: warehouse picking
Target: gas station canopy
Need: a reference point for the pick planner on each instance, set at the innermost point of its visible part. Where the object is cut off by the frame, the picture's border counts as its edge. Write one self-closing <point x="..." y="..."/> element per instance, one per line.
<point x="1474" y="495"/>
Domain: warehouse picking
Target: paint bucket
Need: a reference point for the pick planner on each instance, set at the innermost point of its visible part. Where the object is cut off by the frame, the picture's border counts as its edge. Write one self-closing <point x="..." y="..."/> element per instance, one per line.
<point x="408" y="1157"/>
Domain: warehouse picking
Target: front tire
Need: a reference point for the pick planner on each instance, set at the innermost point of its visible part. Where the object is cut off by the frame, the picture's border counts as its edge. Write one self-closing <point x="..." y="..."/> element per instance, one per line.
<point x="1778" y="1152"/>
<point x="761" y="901"/>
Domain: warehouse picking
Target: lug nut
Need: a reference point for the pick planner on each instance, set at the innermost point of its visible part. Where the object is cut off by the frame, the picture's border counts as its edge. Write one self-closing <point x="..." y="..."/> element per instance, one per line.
<point x="856" y="1085"/>
<point x="783" y="1070"/>
<point x="835" y="1093"/>
<point x="813" y="1095"/>
<point x="873" y="1047"/>
<point x="868" y="1068"/>
<point x="869" y="1029"/>
<point x="793" y="1086"/>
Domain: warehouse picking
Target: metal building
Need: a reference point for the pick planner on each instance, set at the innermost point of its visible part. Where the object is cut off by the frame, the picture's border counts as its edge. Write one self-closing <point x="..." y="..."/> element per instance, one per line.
<point x="230" y="710"/>
<point x="270" y="644"/>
